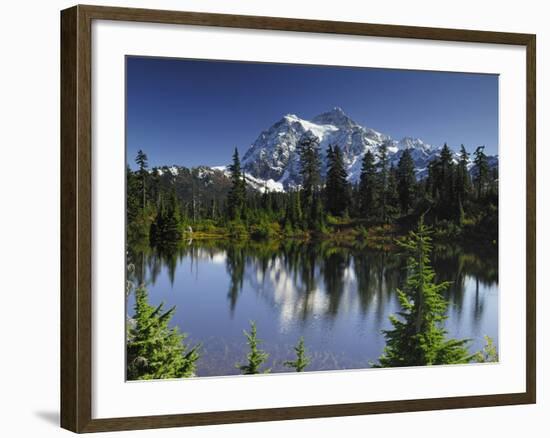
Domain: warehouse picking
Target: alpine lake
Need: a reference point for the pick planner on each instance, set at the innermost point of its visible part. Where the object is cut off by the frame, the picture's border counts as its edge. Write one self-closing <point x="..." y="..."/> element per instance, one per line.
<point x="338" y="298"/>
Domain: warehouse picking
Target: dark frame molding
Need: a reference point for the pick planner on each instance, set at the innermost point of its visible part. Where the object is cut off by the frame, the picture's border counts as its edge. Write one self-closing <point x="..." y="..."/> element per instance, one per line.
<point x="76" y="239"/>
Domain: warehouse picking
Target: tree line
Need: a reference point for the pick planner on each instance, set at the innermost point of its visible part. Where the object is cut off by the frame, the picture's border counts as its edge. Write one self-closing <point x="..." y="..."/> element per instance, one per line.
<point x="457" y="200"/>
<point x="322" y="264"/>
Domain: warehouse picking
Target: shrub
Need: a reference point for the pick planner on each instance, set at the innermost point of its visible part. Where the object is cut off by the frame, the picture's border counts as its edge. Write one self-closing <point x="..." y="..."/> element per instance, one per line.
<point x="206" y="226"/>
<point x="265" y="230"/>
<point x="237" y="230"/>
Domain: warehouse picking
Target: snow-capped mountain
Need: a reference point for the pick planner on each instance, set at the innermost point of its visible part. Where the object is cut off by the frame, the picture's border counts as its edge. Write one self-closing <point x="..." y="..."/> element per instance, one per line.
<point x="273" y="156"/>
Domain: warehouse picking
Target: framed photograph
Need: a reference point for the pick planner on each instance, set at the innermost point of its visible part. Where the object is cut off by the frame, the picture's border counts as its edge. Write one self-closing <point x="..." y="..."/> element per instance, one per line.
<point x="269" y="218"/>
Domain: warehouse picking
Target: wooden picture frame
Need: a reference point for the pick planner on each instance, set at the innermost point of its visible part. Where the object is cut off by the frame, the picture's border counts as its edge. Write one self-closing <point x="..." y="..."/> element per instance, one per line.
<point x="76" y="217"/>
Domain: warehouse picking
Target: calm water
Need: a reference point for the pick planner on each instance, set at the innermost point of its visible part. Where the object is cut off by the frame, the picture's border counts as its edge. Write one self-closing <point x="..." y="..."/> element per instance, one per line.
<point x="339" y="299"/>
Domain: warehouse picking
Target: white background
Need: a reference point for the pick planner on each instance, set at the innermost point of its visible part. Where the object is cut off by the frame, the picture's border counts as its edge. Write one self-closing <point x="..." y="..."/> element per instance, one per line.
<point x="29" y="135"/>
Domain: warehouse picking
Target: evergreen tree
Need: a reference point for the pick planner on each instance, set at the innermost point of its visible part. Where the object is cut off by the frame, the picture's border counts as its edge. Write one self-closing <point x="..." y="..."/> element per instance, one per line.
<point x="442" y="179"/>
<point x="156" y="231"/>
<point x="337" y="187"/>
<point x="141" y="161"/>
<point x="237" y="194"/>
<point x="383" y="177"/>
<point x="481" y="171"/>
<point x="133" y="195"/>
<point x="213" y="209"/>
<point x="172" y="230"/>
<point x="367" y="185"/>
<point x="317" y="214"/>
<point x="166" y="227"/>
<point x="488" y="353"/>
<point x="406" y="181"/>
<point x="310" y="172"/>
<point x="418" y="337"/>
<point x="302" y="360"/>
<point x="392" y="195"/>
<point x="463" y="175"/>
<point x="445" y="164"/>
<point x="256" y="357"/>
<point x="293" y="212"/>
<point x="155" y="351"/>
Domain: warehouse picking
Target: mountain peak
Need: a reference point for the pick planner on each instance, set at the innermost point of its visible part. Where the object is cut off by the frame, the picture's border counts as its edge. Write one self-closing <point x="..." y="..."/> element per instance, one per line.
<point x="413" y="143"/>
<point x="336" y="117"/>
<point x="291" y="117"/>
<point x="274" y="154"/>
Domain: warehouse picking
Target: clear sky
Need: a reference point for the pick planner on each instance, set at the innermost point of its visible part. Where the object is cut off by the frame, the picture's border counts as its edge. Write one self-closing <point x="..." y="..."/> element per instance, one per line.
<point x="191" y="112"/>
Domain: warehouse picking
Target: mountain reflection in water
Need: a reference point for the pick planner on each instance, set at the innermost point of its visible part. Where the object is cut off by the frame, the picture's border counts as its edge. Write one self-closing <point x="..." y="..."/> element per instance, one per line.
<point x="338" y="298"/>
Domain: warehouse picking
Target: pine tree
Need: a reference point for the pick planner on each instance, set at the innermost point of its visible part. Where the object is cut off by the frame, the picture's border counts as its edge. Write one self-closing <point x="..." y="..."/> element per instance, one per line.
<point x="256" y="357"/>
<point x="310" y="172"/>
<point x="302" y="360"/>
<point x="481" y="171"/>
<point x="317" y="214"/>
<point x="141" y="161"/>
<point x="237" y="194"/>
<point x="406" y="181"/>
<point x="445" y="163"/>
<point x="337" y="188"/>
<point x="172" y="230"/>
<point x="293" y="212"/>
<point x="418" y="336"/>
<point x="367" y="185"/>
<point x="156" y="230"/>
<point x="133" y="195"/>
<point x="442" y="180"/>
<point x="383" y="167"/>
<point x="392" y="195"/>
<point x="155" y="351"/>
<point x="166" y="227"/>
<point x="463" y="176"/>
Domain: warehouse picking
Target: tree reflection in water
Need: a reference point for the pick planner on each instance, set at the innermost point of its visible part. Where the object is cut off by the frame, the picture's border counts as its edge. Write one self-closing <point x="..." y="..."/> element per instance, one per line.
<point x="338" y="297"/>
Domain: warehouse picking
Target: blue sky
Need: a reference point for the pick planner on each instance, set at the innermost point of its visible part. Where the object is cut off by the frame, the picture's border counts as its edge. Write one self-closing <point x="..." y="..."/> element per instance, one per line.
<point x="192" y="112"/>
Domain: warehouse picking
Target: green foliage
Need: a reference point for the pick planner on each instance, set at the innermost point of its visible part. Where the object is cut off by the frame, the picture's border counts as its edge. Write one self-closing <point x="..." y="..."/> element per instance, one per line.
<point x="363" y="233"/>
<point x="256" y="357"/>
<point x="317" y="216"/>
<point x="367" y="186"/>
<point x="481" y="179"/>
<point x="237" y="230"/>
<point x="237" y="194"/>
<point x="293" y="213"/>
<point x="265" y="230"/>
<point x="155" y="351"/>
<point x="337" y="188"/>
<point x="406" y="182"/>
<point x="166" y="228"/>
<point x="310" y="172"/>
<point x="488" y="353"/>
<point x="302" y="360"/>
<point x="386" y="186"/>
<point x="206" y="226"/>
<point x="163" y="204"/>
<point x="418" y="336"/>
<point x="463" y="180"/>
<point x="133" y="201"/>
<point x="141" y="161"/>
